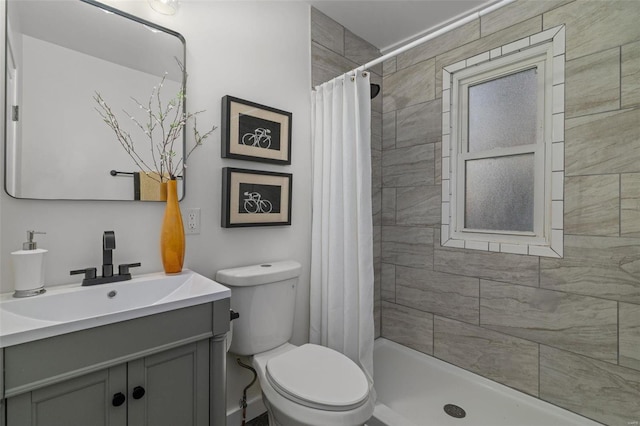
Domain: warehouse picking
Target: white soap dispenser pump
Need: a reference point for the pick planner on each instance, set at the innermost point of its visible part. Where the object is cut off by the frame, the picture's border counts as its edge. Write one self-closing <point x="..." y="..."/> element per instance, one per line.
<point x="28" y="268"/>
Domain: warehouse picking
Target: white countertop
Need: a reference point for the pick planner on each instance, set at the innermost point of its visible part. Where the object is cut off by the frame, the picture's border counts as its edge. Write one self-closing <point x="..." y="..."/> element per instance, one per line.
<point x="68" y="308"/>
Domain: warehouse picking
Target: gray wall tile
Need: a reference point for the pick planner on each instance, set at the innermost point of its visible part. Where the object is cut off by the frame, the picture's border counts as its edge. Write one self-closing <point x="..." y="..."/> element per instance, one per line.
<point x="377" y="281"/>
<point x="388" y="282"/>
<point x="377" y="320"/>
<point x="410" y="86"/>
<point x="409" y="327"/>
<point x="630" y="74"/>
<point x="419" y="124"/>
<point x="593" y="83"/>
<point x="360" y="51"/>
<point x="327" y="32"/>
<point x="376" y="103"/>
<point x="630" y="335"/>
<point x="388" y="206"/>
<point x="505" y="359"/>
<point x="418" y="205"/>
<point x="376" y="168"/>
<point x="410" y="166"/>
<point x="377" y="244"/>
<point x="389" y="130"/>
<point x="513" y="268"/>
<point x="376" y="130"/>
<point x="451" y="296"/>
<point x="376" y="204"/>
<point x="497" y="39"/>
<point x="438" y="164"/>
<point x="593" y="147"/>
<point x="595" y="389"/>
<point x="593" y="26"/>
<point x="592" y="205"/>
<point x="581" y="324"/>
<point x="327" y="64"/>
<point x="389" y="66"/>
<point x="515" y="13"/>
<point x="407" y="246"/>
<point x="630" y="205"/>
<point x="447" y="41"/>
<point x="606" y="267"/>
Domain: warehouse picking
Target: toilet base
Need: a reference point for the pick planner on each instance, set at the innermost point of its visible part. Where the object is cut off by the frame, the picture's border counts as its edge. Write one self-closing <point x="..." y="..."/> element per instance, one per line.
<point x="284" y="412"/>
<point x="278" y="418"/>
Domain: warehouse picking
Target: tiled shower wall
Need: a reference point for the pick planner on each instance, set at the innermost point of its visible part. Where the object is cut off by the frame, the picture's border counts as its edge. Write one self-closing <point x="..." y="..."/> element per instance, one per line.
<point x="334" y="51"/>
<point x="564" y="330"/>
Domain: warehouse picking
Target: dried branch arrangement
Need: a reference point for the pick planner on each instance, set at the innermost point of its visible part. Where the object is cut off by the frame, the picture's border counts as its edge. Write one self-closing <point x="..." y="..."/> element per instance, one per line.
<point x="165" y="120"/>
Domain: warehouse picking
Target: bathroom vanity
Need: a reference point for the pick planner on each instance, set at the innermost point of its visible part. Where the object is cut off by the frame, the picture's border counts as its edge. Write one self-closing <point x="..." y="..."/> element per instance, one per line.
<point x="146" y="351"/>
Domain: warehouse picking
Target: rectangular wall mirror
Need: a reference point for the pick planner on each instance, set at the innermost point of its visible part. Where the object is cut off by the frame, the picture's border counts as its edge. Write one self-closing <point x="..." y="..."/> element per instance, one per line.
<point x="58" y="55"/>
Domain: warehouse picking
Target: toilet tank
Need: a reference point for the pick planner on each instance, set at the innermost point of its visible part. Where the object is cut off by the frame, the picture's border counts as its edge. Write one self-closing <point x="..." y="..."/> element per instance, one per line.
<point x="265" y="296"/>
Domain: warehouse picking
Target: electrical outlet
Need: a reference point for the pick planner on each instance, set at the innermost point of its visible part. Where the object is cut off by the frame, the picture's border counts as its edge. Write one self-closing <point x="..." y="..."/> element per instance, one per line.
<point x="192" y="224"/>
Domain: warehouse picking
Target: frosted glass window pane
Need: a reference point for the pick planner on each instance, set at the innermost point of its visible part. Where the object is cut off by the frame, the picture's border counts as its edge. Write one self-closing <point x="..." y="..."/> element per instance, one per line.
<point x="499" y="193"/>
<point x="503" y="112"/>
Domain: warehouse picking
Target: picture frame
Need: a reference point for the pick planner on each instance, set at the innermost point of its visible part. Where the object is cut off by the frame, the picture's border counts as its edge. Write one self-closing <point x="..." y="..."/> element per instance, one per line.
<point x="255" y="132"/>
<point x="255" y="198"/>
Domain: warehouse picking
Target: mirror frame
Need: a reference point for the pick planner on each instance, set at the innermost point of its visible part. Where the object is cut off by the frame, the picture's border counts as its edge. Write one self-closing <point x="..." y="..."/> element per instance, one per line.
<point x="124" y="15"/>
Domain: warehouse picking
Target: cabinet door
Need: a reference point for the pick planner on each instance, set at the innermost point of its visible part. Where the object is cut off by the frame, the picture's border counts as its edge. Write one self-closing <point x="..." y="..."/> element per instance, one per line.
<point x="83" y="401"/>
<point x="170" y="388"/>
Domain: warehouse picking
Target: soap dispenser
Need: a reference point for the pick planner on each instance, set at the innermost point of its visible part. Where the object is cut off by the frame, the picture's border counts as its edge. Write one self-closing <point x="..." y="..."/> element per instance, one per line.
<point x="28" y="268"/>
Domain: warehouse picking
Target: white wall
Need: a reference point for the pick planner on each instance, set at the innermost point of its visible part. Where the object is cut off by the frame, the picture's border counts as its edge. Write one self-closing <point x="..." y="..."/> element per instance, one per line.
<point x="253" y="50"/>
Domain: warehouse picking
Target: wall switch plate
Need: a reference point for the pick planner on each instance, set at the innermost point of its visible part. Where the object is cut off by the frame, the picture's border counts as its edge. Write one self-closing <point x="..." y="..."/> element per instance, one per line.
<point x="192" y="222"/>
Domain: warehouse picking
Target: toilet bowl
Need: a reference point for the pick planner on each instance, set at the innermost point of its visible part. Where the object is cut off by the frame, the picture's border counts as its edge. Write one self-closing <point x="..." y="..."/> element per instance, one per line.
<point x="307" y="385"/>
<point x="312" y="385"/>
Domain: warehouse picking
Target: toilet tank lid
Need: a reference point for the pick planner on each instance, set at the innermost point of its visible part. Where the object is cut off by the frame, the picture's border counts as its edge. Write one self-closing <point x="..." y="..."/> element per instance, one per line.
<point x="268" y="272"/>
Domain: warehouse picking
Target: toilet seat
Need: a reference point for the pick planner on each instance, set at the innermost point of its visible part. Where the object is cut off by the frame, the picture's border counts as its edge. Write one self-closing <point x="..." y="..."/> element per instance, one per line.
<point x="318" y="377"/>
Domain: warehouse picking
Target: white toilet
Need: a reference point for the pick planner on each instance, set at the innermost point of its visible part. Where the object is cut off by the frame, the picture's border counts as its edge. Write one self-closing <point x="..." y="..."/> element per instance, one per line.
<point x="301" y="385"/>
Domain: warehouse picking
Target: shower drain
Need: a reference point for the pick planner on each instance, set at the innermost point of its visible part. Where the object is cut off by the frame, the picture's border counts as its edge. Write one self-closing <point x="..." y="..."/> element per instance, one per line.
<point x="454" y="411"/>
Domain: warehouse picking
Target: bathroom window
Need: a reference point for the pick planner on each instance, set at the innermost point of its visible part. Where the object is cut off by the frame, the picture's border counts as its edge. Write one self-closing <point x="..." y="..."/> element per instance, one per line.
<point x="503" y="148"/>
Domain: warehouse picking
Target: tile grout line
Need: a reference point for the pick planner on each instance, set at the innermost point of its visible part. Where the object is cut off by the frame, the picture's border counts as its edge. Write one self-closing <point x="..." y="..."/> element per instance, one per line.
<point x="620" y="80"/>
<point x="620" y="182"/>
<point x="540" y="269"/>
<point x="620" y="205"/>
<point x="618" y="330"/>
<point x="433" y="334"/>
<point x="538" y="370"/>
<point x="479" y="301"/>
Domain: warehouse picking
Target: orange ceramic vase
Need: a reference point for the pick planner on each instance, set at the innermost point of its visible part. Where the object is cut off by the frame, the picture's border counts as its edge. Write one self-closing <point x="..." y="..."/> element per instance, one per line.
<point x="172" y="235"/>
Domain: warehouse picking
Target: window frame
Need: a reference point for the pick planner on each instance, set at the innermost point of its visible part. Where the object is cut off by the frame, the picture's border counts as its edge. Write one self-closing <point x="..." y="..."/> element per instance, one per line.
<point x="545" y="53"/>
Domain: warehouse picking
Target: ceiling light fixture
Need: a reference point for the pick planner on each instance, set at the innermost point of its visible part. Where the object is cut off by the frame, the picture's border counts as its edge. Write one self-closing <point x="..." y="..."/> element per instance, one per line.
<point x="166" y="7"/>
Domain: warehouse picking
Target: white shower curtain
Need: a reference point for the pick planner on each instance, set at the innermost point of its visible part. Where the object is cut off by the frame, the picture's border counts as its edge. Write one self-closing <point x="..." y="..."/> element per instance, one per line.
<point x="341" y="295"/>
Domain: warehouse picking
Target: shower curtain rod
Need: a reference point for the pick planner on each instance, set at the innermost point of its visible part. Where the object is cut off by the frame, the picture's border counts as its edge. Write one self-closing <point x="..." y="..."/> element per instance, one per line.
<point x="460" y="22"/>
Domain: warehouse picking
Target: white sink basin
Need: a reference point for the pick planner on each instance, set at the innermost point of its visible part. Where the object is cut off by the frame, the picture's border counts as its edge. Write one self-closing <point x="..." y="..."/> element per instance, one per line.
<point x="68" y="308"/>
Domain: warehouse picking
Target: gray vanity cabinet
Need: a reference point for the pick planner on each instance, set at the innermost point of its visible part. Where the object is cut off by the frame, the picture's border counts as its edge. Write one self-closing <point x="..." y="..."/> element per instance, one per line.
<point x="169" y="388"/>
<point x="163" y="369"/>
<point x="83" y="401"/>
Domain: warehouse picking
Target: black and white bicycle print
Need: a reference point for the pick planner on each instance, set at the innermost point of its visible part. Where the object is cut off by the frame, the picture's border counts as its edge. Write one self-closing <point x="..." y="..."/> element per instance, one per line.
<point x="260" y="137"/>
<point x="254" y="203"/>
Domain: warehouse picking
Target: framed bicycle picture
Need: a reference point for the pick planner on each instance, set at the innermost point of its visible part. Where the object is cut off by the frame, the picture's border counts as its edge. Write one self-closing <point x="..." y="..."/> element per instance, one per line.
<point x="255" y="198"/>
<point x="255" y="132"/>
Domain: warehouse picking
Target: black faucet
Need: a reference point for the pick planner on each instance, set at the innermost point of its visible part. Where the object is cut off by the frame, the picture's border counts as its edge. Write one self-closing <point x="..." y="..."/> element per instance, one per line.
<point x="108" y="245"/>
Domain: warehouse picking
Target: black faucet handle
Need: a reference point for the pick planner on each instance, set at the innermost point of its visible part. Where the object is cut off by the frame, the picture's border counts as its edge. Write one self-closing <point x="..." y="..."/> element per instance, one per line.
<point x="89" y="273"/>
<point x="109" y="240"/>
<point x="124" y="269"/>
